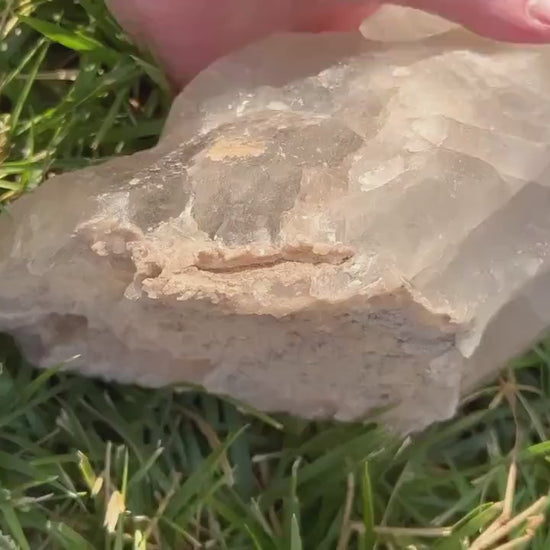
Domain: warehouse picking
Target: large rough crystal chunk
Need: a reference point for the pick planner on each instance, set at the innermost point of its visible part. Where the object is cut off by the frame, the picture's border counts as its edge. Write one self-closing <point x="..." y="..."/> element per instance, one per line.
<point x="329" y="225"/>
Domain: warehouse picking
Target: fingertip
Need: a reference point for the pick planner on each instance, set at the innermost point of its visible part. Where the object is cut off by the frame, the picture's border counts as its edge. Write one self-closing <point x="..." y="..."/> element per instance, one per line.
<point x="539" y="10"/>
<point x="521" y="21"/>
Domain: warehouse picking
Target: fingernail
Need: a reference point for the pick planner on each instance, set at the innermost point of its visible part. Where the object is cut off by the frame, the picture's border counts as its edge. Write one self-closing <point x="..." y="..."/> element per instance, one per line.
<point x="539" y="10"/>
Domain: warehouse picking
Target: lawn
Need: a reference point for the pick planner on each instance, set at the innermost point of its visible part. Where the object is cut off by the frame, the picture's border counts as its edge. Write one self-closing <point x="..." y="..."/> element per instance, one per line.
<point x="87" y="465"/>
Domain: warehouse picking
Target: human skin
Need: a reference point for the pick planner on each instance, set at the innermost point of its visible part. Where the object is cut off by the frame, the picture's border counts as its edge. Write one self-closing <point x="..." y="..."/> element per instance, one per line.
<point x="187" y="35"/>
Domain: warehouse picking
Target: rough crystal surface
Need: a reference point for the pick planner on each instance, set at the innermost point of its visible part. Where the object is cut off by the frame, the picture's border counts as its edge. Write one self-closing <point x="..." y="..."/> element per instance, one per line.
<point x="329" y="225"/>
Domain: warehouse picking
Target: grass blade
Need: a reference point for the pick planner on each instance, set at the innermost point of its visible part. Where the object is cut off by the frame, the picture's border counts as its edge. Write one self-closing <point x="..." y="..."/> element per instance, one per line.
<point x="369" y="536"/>
<point x="15" y="527"/>
<point x="74" y="40"/>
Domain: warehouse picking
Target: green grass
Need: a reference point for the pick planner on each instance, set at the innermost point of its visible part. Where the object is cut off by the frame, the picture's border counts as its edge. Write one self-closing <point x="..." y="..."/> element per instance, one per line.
<point x="86" y="465"/>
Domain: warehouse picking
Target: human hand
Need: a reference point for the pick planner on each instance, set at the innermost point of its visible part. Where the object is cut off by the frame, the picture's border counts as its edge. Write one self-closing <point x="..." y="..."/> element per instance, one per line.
<point x="187" y="35"/>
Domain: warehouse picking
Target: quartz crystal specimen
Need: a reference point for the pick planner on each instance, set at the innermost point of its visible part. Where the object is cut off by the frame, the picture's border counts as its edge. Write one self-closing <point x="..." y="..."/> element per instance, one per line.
<point x="330" y="224"/>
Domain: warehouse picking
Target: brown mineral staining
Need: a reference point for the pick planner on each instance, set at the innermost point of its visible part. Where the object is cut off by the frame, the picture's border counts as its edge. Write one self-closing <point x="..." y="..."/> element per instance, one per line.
<point x="222" y="259"/>
<point x="234" y="149"/>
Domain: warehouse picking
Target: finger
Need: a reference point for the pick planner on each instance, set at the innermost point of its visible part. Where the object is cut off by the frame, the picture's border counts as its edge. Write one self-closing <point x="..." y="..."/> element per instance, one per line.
<point x="187" y="35"/>
<point x="525" y="21"/>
